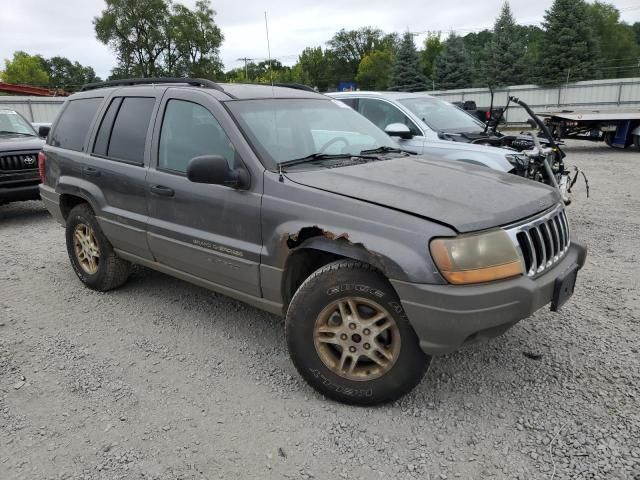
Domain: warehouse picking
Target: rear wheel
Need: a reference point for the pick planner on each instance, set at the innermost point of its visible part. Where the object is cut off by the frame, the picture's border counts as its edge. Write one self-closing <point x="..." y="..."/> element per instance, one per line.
<point x="349" y="337"/>
<point x="636" y="141"/>
<point x="91" y="254"/>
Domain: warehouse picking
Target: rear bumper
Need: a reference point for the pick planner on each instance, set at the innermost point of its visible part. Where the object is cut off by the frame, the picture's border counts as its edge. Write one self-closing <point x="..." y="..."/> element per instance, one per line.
<point x="19" y="193"/>
<point x="51" y="201"/>
<point x="447" y="317"/>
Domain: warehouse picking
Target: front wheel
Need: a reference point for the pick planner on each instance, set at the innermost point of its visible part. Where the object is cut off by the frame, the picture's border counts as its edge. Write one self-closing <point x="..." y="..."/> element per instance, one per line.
<point x="349" y="336"/>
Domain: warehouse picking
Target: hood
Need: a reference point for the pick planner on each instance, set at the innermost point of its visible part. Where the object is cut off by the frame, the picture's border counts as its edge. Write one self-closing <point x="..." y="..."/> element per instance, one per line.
<point x="10" y="143"/>
<point x="465" y="145"/>
<point x="465" y="197"/>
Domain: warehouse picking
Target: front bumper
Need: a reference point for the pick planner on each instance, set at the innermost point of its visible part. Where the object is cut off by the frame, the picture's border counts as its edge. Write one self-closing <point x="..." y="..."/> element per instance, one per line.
<point x="19" y="193"/>
<point x="447" y="317"/>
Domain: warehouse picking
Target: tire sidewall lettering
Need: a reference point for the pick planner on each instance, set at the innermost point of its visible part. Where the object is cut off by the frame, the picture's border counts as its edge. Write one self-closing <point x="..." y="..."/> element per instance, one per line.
<point x="352" y="287"/>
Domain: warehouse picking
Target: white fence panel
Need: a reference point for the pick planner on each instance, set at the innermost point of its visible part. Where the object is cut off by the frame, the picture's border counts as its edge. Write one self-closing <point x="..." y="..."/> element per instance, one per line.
<point x="581" y="95"/>
<point x="34" y="109"/>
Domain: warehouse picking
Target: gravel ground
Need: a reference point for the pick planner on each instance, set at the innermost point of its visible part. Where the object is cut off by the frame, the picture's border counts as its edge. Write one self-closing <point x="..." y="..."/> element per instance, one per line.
<point x="164" y="380"/>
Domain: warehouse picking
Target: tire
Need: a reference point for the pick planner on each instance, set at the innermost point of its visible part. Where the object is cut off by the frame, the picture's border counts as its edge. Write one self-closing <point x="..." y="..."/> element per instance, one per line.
<point x="107" y="271"/>
<point x="316" y="330"/>
<point x="636" y="141"/>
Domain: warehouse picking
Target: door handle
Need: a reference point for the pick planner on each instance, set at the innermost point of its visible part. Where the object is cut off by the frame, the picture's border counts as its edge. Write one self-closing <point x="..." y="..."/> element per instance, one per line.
<point x="91" y="172"/>
<point x="162" y="191"/>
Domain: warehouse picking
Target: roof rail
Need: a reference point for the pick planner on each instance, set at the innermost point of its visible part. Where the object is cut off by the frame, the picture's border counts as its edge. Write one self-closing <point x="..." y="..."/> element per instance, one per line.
<point x="196" y="82"/>
<point x="297" y="86"/>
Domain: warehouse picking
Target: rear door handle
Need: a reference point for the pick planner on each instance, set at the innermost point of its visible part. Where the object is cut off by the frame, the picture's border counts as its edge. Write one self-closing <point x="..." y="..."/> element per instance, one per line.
<point x="91" y="172"/>
<point x="162" y="191"/>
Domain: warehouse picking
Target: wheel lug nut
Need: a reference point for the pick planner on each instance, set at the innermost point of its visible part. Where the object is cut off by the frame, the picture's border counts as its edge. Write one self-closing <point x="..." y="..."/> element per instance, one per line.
<point x="344" y="336"/>
<point x="366" y="331"/>
<point x="353" y="326"/>
<point x="352" y="349"/>
<point x="366" y="346"/>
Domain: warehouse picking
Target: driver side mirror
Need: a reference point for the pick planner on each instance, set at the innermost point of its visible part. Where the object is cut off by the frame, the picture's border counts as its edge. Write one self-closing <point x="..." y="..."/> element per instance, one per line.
<point x="214" y="170"/>
<point x="398" y="130"/>
<point x="43" y="131"/>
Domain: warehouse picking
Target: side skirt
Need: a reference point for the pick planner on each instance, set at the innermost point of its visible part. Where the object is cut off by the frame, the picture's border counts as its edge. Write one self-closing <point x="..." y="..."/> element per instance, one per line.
<point x="261" y="303"/>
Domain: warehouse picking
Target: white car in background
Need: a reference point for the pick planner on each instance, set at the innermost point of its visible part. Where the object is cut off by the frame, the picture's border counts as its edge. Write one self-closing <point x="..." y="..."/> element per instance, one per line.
<point x="427" y="125"/>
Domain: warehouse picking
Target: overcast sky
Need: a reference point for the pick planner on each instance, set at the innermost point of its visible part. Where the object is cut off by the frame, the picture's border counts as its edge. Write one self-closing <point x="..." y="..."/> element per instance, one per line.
<point x="65" y="28"/>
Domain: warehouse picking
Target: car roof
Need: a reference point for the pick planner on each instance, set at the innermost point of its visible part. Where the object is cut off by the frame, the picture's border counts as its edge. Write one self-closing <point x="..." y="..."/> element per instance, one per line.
<point x="388" y="95"/>
<point x="233" y="91"/>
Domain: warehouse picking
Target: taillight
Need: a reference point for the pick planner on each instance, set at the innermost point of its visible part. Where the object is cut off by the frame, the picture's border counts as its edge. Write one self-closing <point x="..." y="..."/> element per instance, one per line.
<point x="488" y="114"/>
<point x="42" y="161"/>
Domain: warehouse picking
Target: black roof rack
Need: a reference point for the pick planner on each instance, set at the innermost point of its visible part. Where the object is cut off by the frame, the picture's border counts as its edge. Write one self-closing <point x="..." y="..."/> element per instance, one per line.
<point x="297" y="86"/>
<point x="196" y="82"/>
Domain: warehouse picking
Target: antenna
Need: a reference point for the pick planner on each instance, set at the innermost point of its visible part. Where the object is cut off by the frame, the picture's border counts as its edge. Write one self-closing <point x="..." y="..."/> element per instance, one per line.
<point x="266" y="24"/>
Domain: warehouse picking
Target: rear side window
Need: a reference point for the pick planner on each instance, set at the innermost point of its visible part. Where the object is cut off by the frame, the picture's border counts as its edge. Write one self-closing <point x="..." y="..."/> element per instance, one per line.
<point x="73" y="126"/>
<point x="129" y="133"/>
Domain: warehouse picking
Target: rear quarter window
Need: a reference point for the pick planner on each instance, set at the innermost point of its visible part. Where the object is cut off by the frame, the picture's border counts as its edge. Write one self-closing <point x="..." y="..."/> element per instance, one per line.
<point x="73" y="126"/>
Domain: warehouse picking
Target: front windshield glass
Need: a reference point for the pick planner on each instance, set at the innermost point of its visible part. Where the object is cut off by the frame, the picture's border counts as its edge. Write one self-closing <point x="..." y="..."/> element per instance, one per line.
<point x="12" y="122"/>
<point x="442" y="116"/>
<point x="282" y="130"/>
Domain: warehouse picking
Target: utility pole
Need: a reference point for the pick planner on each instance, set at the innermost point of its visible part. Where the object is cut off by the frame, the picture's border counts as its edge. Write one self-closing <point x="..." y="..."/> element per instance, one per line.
<point x="246" y="71"/>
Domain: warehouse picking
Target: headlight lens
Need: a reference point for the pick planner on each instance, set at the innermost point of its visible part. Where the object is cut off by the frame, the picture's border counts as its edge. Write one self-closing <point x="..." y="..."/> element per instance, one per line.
<point x="476" y="258"/>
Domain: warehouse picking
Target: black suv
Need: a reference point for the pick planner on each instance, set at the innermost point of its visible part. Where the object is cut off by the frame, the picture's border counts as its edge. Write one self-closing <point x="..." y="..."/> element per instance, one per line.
<point x="292" y="202"/>
<point x="19" y="147"/>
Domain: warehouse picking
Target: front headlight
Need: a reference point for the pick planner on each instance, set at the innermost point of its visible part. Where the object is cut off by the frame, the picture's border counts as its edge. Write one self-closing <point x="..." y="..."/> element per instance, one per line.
<point x="476" y="258"/>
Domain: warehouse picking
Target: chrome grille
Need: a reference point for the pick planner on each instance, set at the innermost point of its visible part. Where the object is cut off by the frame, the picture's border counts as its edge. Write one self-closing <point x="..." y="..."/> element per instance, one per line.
<point x="19" y="161"/>
<point x="543" y="241"/>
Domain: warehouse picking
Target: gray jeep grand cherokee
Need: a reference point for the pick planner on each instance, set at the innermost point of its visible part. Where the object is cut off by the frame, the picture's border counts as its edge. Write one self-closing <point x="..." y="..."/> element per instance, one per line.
<point x="294" y="203"/>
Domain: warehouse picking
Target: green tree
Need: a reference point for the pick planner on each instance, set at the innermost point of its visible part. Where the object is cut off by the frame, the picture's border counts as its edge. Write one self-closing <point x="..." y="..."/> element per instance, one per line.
<point x="25" y="69"/>
<point x="406" y="75"/>
<point x="374" y="72"/>
<point x="68" y="75"/>
<point x="505" y="65"/>
<point x="617" y="41"/>
<point x="478" y="48"/>
<point x="636" y="29"/>
<point x="313" y="65"/>
<point x="156" y="37"/>
<point x="136" y="31"/>
<point x="433" y="45"/>
<point x="452" y="68"/>
<point x="193" y="42"/>
<point x="569" y="48"/>
<point x="349" y="47"/>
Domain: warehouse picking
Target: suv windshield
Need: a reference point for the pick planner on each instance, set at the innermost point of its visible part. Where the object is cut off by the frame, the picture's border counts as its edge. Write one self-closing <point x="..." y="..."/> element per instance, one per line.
<point x="282" y="130"/>
<point x="442" y="116"/>
<point x="12" y="123"/>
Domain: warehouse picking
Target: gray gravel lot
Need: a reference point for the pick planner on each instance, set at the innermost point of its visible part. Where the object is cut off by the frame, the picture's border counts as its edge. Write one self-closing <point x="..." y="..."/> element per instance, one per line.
<point x="165" y="380"/>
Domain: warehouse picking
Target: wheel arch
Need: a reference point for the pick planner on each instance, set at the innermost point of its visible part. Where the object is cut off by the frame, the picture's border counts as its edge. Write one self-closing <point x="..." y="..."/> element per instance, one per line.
<point x="318" y="250"/>
<point x="69" y="201"/>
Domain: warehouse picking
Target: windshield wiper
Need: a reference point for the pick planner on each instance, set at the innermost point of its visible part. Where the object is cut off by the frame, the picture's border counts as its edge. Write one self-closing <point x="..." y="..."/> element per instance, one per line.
<point x="16" y="133"/>
<point x="314" y="157"/>
<point x="386" y="149"/>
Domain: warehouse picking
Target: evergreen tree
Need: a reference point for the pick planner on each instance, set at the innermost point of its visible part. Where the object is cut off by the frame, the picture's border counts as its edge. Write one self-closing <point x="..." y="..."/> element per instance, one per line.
<point x="452" y="68"/>
<point x="505" y="64"/>
<point x="406" y="75"/>
<point x="568" y="47"/>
